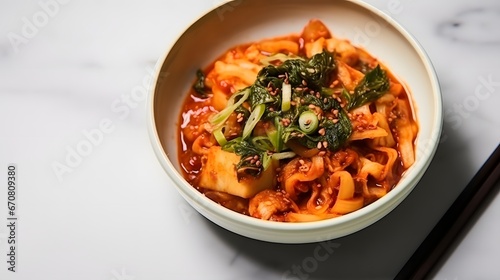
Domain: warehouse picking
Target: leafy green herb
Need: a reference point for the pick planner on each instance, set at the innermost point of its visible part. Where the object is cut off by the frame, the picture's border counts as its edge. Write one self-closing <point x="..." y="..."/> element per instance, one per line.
<point x="334" y="133"/>
<point x="315" y="72"/>
<point x="252" y="158"/>
<point x="199" y="85"/>
<point x="260" y="95"/>
<point x="370" y="88"/>
<point x="319" y="68"/>
<point x="262" y="143"/>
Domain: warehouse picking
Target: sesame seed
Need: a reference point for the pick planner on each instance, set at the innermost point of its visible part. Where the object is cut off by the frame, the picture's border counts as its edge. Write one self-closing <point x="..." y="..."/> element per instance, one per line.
<point x="319" y="146"/>
<point x="304" y="168"/>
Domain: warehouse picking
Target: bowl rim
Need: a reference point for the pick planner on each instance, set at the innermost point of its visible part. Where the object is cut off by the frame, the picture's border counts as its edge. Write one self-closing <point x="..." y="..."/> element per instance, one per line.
<point x="372" y="212"/>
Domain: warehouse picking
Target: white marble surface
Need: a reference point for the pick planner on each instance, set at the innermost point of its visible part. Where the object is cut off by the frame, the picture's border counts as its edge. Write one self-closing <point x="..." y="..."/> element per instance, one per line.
<point x="72" y="73"/>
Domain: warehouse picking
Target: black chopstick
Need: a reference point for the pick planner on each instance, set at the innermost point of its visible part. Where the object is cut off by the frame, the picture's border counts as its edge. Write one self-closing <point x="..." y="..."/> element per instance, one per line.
<point x="453" y="221"/>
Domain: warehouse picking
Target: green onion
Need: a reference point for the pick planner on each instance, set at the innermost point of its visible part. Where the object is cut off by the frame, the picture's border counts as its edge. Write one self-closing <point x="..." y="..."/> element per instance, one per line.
<point x="231" y="144"/>
<point x="266" y="160"/>
<point x="327" y="91"/>
<point x="218" y="119"/>
<point x="262" y="143"/>
<point x="347" y="96"/>
<point x="279" y="138"/>
<point x="253" y="119"/>
<point x="286" y="97"/>
<point x="219" y="136"/>
<point x="283" y="155"/>
<point x="273" y="136"/>
<point x="308" y="122"/>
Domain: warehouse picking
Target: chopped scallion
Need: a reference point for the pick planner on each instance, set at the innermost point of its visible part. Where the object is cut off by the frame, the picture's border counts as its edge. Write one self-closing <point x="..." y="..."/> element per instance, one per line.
<point x="253" y="119"/>
<point x="283" y="155"/>
<point x="308" y="122"/>
<point x="286" y="97"/>
<point x="262" y="143"/>
<point x="218" y="119"/>
<point x="219" y="136"/>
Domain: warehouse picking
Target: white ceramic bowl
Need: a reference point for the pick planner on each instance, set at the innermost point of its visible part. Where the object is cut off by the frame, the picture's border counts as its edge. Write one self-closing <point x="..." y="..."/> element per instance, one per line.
<point x="239" y="22"/>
